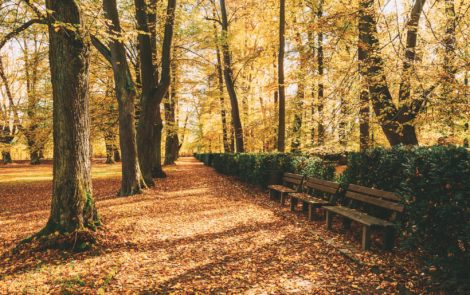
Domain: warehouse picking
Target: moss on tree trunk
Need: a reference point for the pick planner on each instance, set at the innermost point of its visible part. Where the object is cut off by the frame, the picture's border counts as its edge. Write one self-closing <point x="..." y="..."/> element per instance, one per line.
<point x="73" y="208"/>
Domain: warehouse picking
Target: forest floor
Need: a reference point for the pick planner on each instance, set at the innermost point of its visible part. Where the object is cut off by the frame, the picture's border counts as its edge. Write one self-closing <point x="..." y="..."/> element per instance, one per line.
<point x="196" y="232"/>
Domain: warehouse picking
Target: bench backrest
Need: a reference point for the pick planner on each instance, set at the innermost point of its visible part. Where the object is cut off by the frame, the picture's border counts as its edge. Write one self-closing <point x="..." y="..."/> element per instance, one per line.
<point x="321" y="188"/>
<point x="387" y="203"/>
<point x="293" y="180"/>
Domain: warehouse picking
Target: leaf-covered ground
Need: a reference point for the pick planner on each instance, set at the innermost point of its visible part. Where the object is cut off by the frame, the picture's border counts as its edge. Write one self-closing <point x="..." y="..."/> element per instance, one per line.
<point x="196" y="232"/>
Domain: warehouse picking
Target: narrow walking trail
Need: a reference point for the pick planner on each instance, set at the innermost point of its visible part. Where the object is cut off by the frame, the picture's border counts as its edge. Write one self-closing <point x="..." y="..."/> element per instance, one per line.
<point x="197" y="231"/>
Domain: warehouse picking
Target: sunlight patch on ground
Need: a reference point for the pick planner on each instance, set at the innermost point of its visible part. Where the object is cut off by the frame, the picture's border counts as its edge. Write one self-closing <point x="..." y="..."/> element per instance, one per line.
<point x="29" y="173"/>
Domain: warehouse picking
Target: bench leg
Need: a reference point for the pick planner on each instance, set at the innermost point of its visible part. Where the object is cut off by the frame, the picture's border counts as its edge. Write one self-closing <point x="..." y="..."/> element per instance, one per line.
<point x="270" y="194"/>
<point x="293" y="204"/>
<point x="346" y="223"/>
<point x="304" y="206"/>
<point x="311" y="212"/>
<point x="389" y="238"/>
<point x="329" y="219"/>
<point x="365" y="237"/>
<point x="282" y="199"/>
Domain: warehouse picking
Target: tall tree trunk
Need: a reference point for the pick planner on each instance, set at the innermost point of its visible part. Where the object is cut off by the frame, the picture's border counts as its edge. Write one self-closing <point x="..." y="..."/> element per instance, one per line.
<point x="223" y="112"/>
<point x="342" y="123"/>
<point x="157" y="170"/>
<point x="299" y="100"/>
<point x="364" y="119"/>
<point x="73" y="208"/>
<point x="172" y="140"/>
<point x="109" y="143"/>
<point x="8" y="135"/>
<point x="448" y="93"/>
<point x="281" y="131"/>
<point x="150" y="123"/>
<point x="229" y="82"/>
<point x="273" y="139"/>
<point x="364" y="109"/>
<point x="320" y="95"/>
<point x="6" y="157"/>
<point x="311" y="42"/>
<point x="132" y="181"/>
<point x="147" y="115"/>
<point x="31" y="73"/>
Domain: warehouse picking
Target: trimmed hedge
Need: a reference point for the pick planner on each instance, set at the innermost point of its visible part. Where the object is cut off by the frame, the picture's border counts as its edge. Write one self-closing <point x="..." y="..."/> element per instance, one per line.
<point x="258" y="168"/>
<point x="435" y="185"/>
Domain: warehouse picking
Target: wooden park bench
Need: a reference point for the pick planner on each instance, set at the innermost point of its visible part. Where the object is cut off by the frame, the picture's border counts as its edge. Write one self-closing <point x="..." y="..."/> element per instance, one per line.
<point x="316" y="193"/>
<point x="372" y="209"/>
<point x="291" y="183"/>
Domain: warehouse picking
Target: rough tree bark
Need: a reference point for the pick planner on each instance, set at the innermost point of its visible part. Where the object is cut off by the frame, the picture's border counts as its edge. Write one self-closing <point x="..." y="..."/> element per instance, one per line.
<point x="299" y="100"/>
<point x="281" y="131"/>
<point x="321" y="87"/>
<point x="73" y="208"/>
<point x="448" y="94"/>
<point x="109" y="139"/>
<point x="7" y="135"/>
<point x="229" y="82"/>
<point x="364" y="109"/>
<point x="149" y="132"/>
<point x="396" y="123"/>
<point x="132" y="181"/>
<point x="311" y="42"/>
<point x="31" y="72"/>
<point x="172" y="140"/>
<point x="220" y="80"/>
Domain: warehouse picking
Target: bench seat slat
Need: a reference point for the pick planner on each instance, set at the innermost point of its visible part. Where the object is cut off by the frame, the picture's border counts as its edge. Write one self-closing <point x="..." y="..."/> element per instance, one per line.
<point x="281" y="188"/>
<point x="359" y="216"/>
<point x="309" y="199"/>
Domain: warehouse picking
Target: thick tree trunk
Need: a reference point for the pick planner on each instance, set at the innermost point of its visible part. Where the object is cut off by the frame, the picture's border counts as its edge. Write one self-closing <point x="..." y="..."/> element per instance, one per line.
<point x="148" y="136"/>
<point x="281" y="131"/>
<point x="117" y="155"/>
<point x="147" y="115"/>
<point x="229" y="82"/>
<point x="35" y="158"/>
<point x="6" y="158"/>
<point x="396" y="123"/>
<point x="73" y="208"/>
<point x="31" y="73"/>
<point x="157" y="170"/>
<point x="172" y="140"/>
<point x="7" y="136"/>
<point x="132" y="181"/>
<point x="109" y="143"/>
<point x="320" y="95"/>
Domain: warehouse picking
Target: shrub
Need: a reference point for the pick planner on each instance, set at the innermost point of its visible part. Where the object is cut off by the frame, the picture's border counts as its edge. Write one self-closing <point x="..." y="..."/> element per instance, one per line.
<point x="256" y="168"/>
<point x="435" y="185"/>
<point x="436" y="189"/>
<point x="313" y="167"/>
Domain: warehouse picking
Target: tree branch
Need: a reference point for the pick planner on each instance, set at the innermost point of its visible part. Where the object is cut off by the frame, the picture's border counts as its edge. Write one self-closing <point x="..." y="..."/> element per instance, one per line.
<point x="20" y="29"/>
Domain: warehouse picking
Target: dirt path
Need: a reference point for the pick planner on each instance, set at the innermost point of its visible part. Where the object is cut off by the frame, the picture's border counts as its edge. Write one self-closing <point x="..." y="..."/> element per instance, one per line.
<point x="196" y="231"/>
